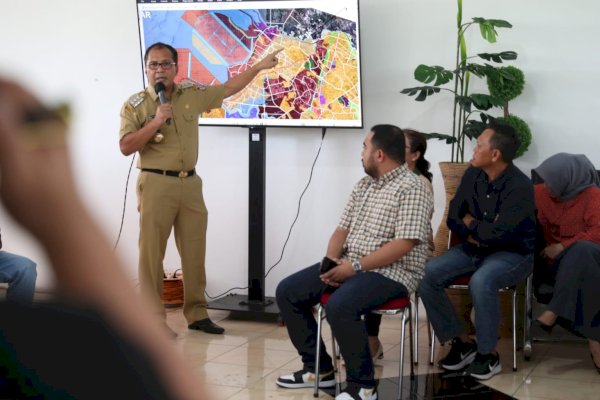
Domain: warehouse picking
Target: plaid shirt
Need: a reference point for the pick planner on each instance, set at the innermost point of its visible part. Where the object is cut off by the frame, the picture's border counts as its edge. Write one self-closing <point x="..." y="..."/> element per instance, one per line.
<point x="398" y="205"/>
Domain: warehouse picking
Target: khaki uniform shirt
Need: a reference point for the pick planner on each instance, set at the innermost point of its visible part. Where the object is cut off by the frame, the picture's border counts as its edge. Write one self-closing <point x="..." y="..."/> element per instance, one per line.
<point x="178" y="151"/>
<point x="396" y="206"/>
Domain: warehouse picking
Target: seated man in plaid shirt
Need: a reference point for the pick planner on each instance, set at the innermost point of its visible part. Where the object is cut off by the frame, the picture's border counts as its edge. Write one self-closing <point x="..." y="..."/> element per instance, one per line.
<point x="379" y="249"/>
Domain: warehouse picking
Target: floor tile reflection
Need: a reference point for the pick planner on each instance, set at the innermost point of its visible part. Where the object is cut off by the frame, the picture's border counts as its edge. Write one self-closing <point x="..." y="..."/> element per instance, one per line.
<point x="245" y="362"/>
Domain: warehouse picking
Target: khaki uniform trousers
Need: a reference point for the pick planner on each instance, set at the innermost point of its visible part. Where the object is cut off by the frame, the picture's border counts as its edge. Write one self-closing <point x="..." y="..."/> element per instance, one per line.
<point x="166" y="202"/>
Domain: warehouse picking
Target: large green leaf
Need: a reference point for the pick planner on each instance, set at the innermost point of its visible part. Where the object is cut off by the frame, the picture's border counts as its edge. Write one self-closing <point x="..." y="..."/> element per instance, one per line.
<point x="474" y="128"/>
<point x="506" y="74"/>
<point x="484" y="70"/>
<point x="485" y="101"/>
<point x="499" y="23"/>
<point x="498" y="57"/>
<point x="465" y="102"/>
<point x="488" y="27"/>
<point x="438" y="75"/>
<point x="476" y="69"/>
<point x="423" y="91"/>
<point x="440" y="136"/>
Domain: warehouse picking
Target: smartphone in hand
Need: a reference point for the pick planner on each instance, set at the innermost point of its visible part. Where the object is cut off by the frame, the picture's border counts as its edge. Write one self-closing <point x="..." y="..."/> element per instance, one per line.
<point x="327" y="264"/>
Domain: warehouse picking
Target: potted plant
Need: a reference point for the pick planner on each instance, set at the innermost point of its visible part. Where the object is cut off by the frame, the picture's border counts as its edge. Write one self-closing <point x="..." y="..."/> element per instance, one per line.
<point x="505" y="83"/>
<point x="470" y="109"/>
<point x="470" y="115"/>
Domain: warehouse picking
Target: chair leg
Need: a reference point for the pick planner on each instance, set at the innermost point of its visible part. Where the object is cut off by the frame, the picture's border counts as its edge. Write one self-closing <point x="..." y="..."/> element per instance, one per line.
<point x="335" y="348"/>
<point x="401" y="369"/>
<point x="431" y="343"/>
<point x="411" y="339"/>
<point x="527" y="345"/>
<point x="318" y="360"/>
<point x="514" y="327"/>
<point x="416" y="331"/>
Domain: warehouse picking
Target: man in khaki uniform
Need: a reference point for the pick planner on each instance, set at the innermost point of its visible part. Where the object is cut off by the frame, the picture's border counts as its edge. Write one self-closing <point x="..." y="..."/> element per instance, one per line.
<point x="169" y="190"/>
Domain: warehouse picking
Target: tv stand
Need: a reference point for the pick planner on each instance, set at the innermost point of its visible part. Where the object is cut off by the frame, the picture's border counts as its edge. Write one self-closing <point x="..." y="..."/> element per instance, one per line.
<point x="255" y="301"/>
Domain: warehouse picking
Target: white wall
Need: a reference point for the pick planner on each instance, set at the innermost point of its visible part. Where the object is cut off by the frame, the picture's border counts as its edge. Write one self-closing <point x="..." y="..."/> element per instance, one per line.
<point x="87" y="52"/>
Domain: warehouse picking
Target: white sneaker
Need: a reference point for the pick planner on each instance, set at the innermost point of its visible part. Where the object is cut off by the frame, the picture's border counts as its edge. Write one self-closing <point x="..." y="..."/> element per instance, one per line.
<point x="355" y="392"/>
<point x="305" y="379"/>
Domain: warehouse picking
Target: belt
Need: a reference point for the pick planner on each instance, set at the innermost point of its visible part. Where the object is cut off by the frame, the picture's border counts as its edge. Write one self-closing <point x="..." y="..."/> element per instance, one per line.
<point x="179" y="174"/>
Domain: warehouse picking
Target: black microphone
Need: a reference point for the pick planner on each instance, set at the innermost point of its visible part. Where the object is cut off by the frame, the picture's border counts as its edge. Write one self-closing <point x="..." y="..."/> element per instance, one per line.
<point x="159" y="88"/>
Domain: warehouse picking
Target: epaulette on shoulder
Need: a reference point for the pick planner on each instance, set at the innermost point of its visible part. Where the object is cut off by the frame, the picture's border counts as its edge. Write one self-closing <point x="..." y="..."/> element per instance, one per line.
<point x="137" y="99"/>
<point x="187" y="84"/>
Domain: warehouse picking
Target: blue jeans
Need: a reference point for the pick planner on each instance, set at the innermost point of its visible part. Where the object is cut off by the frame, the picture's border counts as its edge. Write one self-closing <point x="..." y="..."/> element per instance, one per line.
<point x="20" y="274"/>
<point x="490" y="273"/>
<point x="300" y="292"/>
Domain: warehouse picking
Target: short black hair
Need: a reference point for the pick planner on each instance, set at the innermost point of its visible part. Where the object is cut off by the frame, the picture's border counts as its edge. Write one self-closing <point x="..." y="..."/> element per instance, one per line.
<point x="160" y="45"/>
<point x="390" y="139"/>
<point x="504" y="139"/>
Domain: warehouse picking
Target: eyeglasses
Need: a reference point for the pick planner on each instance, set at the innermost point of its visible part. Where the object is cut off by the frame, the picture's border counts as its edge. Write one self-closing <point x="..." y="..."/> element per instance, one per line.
<point x="153" y="65"/>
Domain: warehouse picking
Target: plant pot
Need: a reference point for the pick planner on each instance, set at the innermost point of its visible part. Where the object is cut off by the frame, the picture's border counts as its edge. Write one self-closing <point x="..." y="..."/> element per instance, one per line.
<point x="451" y="175"/>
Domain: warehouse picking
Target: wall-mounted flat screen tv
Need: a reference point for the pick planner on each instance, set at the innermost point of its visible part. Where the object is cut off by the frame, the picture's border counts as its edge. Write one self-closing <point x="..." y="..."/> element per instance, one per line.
<point x="317" y="81"/>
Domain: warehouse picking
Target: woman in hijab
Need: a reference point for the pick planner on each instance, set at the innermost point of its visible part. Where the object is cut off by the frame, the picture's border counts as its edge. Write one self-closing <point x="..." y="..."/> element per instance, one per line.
<point x="568" y="204"/>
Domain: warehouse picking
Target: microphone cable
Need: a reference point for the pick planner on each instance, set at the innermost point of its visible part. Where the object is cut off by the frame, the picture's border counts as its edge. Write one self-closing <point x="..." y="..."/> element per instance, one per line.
<point x="124" y="202"/>
<point x="312" y="168"/>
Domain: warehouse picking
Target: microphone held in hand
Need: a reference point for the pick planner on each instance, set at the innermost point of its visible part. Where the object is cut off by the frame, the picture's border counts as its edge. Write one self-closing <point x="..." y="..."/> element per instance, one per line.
<point x="159" y="88"/>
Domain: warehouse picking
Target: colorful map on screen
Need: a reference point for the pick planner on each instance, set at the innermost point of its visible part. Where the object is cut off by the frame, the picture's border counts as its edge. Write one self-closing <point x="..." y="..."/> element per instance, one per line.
<point x="317" y="81"/>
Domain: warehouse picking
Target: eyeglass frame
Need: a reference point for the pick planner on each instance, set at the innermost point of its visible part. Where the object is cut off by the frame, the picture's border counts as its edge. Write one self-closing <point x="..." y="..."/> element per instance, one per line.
<point x="165" y="65"/>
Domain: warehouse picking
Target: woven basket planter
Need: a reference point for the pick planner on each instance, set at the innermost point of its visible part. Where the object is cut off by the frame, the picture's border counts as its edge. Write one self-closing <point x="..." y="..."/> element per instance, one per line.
<point x="451" y="175"/>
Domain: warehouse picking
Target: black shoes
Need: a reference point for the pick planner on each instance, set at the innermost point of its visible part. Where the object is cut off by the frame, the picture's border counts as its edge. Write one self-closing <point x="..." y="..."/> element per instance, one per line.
<point x="460" y="355"/>
<point x="484" y="366"/>
<point x="206" y="325"/>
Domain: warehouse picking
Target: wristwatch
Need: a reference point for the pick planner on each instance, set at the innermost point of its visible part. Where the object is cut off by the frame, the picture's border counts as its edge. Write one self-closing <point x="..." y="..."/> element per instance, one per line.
<point x="357" y="266"/>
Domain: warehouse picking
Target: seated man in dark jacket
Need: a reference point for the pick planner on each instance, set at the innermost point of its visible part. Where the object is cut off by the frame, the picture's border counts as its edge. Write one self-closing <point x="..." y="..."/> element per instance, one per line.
<point x="493" y="216"/>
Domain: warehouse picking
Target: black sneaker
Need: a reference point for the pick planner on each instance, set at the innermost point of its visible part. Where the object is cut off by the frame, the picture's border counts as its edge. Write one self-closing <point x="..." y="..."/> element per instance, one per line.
<point x="460" y="355"/>
<point x="356" y="392"/>
<point x="484" y="366"/>
<point x="305" y="379"/>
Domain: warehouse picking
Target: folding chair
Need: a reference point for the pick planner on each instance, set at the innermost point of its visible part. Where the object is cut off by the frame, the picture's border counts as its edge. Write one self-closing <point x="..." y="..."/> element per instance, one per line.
<point x="463" y="284"/>
<point x="400" y="305"/>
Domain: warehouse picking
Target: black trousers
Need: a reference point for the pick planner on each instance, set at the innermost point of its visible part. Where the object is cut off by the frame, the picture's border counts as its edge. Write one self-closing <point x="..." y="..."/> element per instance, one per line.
<point x="575" y="296"/>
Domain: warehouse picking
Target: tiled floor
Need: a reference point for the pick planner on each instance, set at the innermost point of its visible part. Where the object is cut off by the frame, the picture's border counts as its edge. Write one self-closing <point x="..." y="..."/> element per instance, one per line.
<point x="243" y="363"/>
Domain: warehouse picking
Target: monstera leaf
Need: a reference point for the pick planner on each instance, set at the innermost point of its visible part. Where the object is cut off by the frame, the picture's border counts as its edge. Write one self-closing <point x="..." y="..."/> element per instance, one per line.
<point x="423" y="92"/>
<point x="438" y="75"/>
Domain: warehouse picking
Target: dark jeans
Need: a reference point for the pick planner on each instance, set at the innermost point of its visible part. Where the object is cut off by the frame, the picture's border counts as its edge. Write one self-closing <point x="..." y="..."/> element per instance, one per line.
<point x="576" y="281"/>
<point x="491" y="273"/>
<point x="300" y="292"/>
